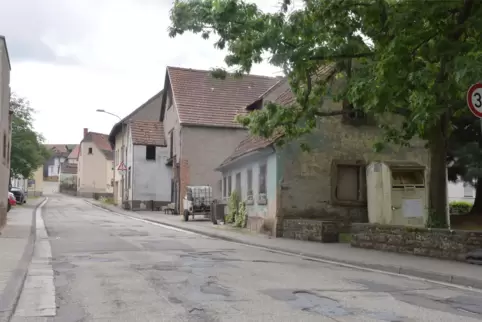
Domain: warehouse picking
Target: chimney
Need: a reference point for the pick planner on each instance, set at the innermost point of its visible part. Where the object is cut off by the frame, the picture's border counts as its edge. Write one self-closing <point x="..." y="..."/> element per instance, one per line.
<point x="86" y="130"/>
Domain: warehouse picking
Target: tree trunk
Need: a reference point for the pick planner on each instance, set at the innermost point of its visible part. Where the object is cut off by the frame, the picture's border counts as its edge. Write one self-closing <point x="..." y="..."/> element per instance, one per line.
<point x="438" y="174"/>
<point x="477" y="206"/>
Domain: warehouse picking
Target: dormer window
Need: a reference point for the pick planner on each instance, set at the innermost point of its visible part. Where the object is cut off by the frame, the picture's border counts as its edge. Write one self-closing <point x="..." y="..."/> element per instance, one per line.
<point x="257" y="105"/>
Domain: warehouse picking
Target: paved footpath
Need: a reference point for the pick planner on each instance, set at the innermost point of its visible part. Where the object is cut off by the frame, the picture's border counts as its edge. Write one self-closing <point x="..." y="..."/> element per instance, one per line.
<point x="17" y="241"/>
<point x="421" y="267"/>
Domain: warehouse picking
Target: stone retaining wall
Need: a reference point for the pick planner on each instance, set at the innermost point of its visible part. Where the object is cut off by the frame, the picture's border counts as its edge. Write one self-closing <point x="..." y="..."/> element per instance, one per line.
<point x="312" y="230"/>
<point x="439" y="243"/>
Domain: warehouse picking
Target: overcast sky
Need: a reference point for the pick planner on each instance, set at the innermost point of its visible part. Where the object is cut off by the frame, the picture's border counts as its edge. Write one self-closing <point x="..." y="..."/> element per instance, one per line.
<point x="71" y="57"/>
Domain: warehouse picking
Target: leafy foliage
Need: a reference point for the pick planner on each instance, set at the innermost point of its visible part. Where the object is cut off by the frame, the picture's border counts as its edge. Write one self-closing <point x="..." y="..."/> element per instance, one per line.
<point x="27" y="152"/>
<point x="459" y="207"/>
<point x="413" y="58"/>
<point x="233" y="204"/>
<point x="241" y="215"/>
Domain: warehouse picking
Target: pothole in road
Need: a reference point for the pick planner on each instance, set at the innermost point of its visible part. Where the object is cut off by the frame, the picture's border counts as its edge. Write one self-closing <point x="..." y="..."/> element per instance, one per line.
<point x="314" y="303"/>
<point x="310" y="302"/>
<point x="213" y="288"/>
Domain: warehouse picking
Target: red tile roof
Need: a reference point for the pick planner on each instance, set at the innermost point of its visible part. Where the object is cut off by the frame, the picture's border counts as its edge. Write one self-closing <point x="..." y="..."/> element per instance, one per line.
<point x="75" y="152"/>
<point x="101" y="141"/>
<point x="249" y="144"/>
<point x="58" y="149"/>
<point x="204" y="100"/>
<point x="285" y="98"/>
<point x="147" y="133"/>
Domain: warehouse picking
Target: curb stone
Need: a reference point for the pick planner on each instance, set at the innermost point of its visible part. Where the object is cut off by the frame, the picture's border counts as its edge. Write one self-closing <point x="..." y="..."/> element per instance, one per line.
<point x="392" y="269"/>
<point x="11" y="294"/>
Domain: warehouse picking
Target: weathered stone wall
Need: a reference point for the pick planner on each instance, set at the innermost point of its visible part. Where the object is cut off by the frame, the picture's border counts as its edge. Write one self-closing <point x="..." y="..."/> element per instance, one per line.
<point x="305" y="178"/>
<point x="312" y="230"/>
<point x="440" y="243"/>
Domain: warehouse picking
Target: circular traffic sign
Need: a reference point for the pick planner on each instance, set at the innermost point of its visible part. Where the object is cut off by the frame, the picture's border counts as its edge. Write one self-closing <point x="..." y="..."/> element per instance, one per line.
<point x="474" y="99"/>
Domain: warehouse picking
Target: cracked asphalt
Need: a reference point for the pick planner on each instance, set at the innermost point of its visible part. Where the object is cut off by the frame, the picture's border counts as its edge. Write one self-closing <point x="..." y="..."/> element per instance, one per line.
<point x="112" y="268"/>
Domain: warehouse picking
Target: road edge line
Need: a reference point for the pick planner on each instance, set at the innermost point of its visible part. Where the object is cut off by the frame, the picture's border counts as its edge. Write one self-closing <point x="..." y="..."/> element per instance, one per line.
<point x="13" y="289"/>
<point x="410" y="273"/>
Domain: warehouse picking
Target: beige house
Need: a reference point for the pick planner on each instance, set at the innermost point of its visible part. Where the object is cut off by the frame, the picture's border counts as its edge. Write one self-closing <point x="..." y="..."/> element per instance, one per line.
<point x="33" y="185"/>
<point x="95" y="165"/>
<point x="36" y="183"/>
<point x="5" y="128"/>
<point x="198" y="114"/>
<point x="119" y="139"/>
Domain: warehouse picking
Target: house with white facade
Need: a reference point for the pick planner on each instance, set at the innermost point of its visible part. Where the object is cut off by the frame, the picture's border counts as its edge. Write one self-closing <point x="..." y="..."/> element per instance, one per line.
<point x="147" y="175"/>
<point x="95" y="166"/>
<point x="5" y="128"/>
<point x="118" y="139"/>
<point x="59" y="154"/>
<point x="461" y="191"/>
<point x="68" y="172"/>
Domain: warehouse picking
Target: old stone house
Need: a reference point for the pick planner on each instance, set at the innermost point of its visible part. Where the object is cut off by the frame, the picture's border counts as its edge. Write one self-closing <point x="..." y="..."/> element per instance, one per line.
<point x="118" y="139"/>
<point x="147" y="175"/>
<point x="95" y="165"/>
<point x="198" y="114"/>
<point x="289" y="192"/>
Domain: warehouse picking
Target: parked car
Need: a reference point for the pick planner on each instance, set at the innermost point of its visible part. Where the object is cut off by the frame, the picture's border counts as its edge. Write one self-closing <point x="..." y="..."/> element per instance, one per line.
<point x="12" y="201"/>
<point x="20" y="195"/>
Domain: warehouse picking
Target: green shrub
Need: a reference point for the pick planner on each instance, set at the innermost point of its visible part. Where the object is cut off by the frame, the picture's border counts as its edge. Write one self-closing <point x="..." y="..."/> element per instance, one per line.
<point x="459" y="207"/>
<point x="233" y="204"/>
<point x="241" y="215"/>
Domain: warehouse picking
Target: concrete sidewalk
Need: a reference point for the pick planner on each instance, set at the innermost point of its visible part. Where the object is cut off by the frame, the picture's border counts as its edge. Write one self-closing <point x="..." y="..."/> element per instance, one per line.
<point x="17" y="240"/>
<point x="340" y="254"/>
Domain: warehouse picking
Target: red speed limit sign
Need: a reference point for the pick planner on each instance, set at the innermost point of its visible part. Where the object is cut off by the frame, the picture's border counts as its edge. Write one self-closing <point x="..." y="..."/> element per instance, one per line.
<point x="474" y="99"/>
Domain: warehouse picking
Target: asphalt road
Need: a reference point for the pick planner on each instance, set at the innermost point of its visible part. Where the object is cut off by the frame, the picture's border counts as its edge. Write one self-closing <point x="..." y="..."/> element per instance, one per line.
<point x="107" y="267"/>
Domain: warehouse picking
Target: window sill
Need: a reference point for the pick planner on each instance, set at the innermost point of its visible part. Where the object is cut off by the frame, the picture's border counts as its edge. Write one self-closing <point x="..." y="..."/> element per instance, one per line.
<point x="349" y="203"/>
<point x="262" y="199"/>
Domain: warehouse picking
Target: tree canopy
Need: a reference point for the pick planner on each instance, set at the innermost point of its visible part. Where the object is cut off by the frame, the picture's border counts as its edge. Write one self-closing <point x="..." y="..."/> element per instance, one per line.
<point x="27" y="151"/>
<point x="413" y="58"/>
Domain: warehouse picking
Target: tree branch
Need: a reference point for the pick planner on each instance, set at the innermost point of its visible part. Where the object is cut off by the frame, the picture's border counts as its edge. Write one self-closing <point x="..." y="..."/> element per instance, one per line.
<point x="332" y="113"/>
<point x="423" y="43"/>
<point x="342" y="56"/>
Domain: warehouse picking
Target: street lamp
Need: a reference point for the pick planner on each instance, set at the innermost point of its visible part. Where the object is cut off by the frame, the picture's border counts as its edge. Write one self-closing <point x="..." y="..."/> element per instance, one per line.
<point x="104" y="111"/>
<point x="123" y="149"/>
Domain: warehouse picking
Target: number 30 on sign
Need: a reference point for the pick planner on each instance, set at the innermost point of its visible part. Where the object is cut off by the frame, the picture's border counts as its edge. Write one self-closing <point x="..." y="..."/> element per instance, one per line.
<point x="474" y="99"/>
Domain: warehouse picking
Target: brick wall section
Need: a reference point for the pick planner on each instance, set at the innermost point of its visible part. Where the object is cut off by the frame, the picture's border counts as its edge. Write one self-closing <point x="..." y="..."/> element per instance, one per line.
<point x="184" y="181"/>
<point x="439" y="243"/>
<point x="312" y="230"/>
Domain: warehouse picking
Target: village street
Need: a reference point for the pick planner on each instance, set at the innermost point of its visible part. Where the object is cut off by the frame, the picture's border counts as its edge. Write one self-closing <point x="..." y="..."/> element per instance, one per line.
<point x="109" y="267"/>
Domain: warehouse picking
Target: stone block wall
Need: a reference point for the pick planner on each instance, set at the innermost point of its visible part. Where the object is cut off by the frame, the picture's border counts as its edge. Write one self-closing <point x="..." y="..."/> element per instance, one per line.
<point x="439" y="243"/>
<point x="312" y="230"/>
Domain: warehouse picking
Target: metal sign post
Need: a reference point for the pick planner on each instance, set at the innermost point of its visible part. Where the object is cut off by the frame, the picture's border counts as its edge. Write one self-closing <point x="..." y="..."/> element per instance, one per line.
<point x="474" y="101"/>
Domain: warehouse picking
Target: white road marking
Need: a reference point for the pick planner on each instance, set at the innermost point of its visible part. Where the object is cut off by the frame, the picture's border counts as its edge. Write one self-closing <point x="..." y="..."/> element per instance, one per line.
<point x="326" y="261"/>
<point x="38" y="294"/>
<point x="149" y="222"/>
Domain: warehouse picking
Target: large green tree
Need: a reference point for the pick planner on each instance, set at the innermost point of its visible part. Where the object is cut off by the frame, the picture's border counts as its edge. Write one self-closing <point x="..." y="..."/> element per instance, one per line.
<point x="465" y="155"/>
<point x="27" y="151"/>
<point x="414" y="58"/>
